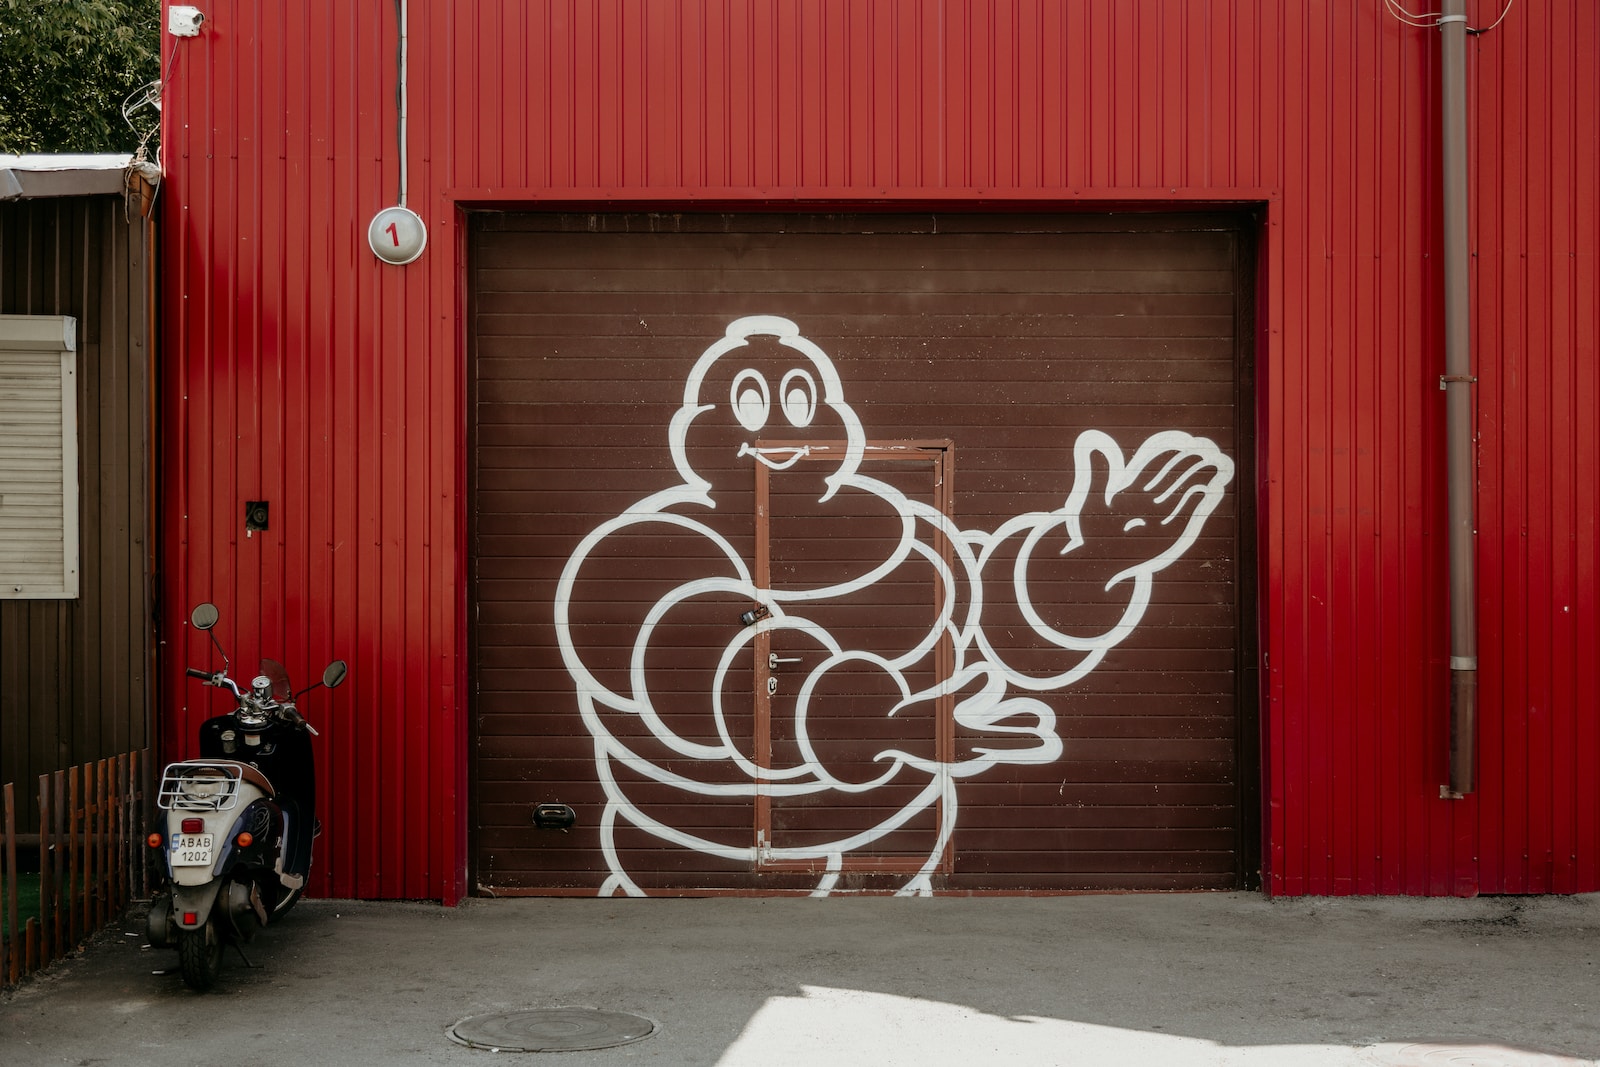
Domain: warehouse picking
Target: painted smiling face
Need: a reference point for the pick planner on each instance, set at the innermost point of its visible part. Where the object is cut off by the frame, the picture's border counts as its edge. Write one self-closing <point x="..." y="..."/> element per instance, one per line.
<point x="761" y="395"/>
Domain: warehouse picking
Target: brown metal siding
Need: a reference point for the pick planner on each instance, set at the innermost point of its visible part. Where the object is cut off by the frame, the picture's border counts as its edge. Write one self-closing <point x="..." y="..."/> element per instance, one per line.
<point x="1008" y="336"/>
<point x="75" y="678"/>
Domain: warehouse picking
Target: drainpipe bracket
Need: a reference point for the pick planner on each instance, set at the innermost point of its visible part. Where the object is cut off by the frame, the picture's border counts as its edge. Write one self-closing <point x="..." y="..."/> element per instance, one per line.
<point x="1446" y="793"/>
<point x="1446" y="380"/>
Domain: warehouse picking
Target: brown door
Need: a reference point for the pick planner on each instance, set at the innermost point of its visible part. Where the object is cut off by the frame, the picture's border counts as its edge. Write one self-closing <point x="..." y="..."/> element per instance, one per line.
<point x="848" y="712"/>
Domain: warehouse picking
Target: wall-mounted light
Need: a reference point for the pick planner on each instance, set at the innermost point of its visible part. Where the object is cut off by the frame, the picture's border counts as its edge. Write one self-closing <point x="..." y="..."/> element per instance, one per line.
<point x="184" y="21"/>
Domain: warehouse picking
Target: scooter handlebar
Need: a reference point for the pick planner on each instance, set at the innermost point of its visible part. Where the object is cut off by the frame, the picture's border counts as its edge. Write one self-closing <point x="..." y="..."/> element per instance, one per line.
<point x="196" y="672"/>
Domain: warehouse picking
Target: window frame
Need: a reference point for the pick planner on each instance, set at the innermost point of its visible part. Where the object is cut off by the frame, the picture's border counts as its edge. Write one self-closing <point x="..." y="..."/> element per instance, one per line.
<point x="29" y="346"/>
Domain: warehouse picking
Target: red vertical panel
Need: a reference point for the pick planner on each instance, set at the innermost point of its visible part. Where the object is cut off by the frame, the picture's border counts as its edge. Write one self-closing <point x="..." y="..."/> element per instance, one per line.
<point x="926" y="111"/>
<point x="1099" y="66"/>
<point x="556" y="46"/>
<point x="1506" y="469"/>
<point x="534" y="88"/>
<point x="1351" y="52"/>
<point x="669" y="133"/>
<point x="846" y="46"/>
<point x="1280" y="605"/>
<point x="588" y="132"/>
<point x="488" y="114"/>
<point x="1585" y="316"/>
<point x="1303" y="516"/>
<point x="447" y="799"/>
<point x="1563" y="427"/>
<point x="1173" y="35"/>
<point x="1345" y="362"/>
<point x="307" y="117"/>
<point x="724" y="125"/>
<point x="883" y="63"/>
<point x="651" y="127"/>
<point x="1187" y="125"/>
<point x="691" y="83"/>
<point x="955" y="121"/>
<point x="1015" y="156"/>
<point x="518" y="66"/>
<point x="1537" y="460"/>
<point x="1392" y="414"/>
<point x="1125" y="94"/>
<point x="801" y="69"/>
<point x="1049" y="55"/>
<point x="1270" y="491"/>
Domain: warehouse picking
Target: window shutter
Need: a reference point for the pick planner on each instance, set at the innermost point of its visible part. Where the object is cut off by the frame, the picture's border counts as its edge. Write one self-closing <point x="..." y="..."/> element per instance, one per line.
<point x="38" y="457"/>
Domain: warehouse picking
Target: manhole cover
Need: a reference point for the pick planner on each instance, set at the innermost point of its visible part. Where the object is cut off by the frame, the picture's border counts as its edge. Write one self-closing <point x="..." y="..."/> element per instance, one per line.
<point x="551" y="1030"/>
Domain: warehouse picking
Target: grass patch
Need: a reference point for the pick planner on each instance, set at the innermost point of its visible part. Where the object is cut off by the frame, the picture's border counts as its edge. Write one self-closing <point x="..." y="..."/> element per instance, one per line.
<point x="27" y="886"/>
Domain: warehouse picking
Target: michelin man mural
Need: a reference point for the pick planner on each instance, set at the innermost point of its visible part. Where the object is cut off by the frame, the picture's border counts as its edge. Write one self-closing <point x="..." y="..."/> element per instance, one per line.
<point x="764" y="403"/>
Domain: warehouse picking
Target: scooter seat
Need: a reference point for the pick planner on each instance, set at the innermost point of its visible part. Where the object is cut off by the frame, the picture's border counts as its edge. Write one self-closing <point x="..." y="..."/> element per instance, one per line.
<point x="247" y="773"/>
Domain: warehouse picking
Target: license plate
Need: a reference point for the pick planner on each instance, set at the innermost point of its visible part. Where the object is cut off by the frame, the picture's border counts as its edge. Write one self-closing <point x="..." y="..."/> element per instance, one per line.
<point x="191" y="850"/>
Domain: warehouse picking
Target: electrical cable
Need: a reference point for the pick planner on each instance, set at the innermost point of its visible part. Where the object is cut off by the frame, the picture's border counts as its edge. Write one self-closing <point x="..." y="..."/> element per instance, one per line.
<point x="1503" y="13"/>
<point x="148" y="94"/>
<point x="400" y="14"/>
<point x="1411" y="18"/>
<point x="1430" y="20"/>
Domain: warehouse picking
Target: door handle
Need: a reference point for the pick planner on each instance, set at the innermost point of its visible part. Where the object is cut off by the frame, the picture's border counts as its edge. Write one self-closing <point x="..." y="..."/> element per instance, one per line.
<point x="773" y="659"/>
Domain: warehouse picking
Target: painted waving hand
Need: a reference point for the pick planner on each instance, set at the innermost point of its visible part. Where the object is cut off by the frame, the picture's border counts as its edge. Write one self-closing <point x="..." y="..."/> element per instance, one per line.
<point x="1124" y="520"/>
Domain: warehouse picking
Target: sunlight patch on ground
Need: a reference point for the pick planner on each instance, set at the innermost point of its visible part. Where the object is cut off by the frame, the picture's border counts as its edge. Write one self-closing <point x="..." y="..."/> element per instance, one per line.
<point x="840" y="1026"/>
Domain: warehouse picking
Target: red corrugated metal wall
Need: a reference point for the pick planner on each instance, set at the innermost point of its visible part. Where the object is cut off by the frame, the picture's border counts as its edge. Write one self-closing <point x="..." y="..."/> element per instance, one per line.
<point x="301" y="371"/>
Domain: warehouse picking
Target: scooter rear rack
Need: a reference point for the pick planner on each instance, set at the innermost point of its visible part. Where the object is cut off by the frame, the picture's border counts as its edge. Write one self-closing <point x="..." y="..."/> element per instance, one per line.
<point x="200" y="785"/>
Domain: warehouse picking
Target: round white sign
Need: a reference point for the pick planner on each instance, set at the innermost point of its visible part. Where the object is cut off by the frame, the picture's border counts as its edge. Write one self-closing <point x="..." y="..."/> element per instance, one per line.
<point x="397" y="235"/>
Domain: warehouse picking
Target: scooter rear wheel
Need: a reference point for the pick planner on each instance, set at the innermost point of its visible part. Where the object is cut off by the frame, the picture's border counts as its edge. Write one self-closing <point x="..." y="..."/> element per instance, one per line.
<point x="200" y="957"/>
<point x="290" y="899"/>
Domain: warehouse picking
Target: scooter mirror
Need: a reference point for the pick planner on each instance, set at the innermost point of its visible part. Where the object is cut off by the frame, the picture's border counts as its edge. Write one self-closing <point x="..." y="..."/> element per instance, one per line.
<point x="204" y="616"/>
<point x="334" y="675"/>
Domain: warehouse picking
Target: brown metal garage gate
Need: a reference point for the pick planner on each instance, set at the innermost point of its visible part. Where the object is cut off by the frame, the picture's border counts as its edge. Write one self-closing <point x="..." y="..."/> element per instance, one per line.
<point x="891" y="553"/>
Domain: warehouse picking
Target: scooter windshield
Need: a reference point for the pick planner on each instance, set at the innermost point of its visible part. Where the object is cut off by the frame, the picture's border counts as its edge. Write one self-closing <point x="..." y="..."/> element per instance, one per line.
<point x="271" y="668"/>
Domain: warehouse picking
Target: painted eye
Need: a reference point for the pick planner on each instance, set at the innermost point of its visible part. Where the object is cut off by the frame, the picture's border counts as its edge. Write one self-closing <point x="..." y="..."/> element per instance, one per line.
<point x="751" y="400"/>
<point x="798" y="394"/>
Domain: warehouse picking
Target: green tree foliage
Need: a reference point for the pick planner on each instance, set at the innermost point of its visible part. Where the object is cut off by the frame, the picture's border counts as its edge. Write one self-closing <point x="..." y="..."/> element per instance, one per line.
<point x="66" y="68"/>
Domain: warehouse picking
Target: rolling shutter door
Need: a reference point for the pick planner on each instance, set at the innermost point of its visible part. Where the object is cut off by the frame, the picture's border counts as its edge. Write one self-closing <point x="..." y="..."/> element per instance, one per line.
<point x="1082" y="712"/>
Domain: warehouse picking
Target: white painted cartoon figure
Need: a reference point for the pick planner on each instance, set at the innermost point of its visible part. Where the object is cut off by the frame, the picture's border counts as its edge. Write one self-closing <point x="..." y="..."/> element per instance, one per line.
<point x="673" y="729"/>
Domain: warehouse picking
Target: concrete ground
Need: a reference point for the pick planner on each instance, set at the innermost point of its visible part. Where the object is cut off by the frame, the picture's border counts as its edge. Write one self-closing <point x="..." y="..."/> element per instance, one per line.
<point x="1102" y="980"/>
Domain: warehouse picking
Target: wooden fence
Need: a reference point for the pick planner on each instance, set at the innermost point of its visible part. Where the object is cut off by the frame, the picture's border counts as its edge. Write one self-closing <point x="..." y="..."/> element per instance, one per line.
<point x="93" y="820"/>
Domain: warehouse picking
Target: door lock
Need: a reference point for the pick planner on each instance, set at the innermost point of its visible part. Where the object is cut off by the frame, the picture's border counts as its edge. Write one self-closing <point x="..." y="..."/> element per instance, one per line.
<point x="772" y="686"/>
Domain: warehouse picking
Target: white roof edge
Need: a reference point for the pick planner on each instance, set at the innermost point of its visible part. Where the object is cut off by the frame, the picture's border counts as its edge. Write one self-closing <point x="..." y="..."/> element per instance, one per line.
<point x="106" y="161"/>
<point x="24" y="177"/>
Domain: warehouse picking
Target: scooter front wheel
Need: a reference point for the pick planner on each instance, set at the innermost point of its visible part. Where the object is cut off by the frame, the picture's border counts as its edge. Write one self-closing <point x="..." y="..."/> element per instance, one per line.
<point x="200" y="957"/>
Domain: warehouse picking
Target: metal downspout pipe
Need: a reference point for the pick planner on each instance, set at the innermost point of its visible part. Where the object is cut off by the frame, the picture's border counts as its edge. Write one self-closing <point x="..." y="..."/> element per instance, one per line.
<point x="1457" y="382"/>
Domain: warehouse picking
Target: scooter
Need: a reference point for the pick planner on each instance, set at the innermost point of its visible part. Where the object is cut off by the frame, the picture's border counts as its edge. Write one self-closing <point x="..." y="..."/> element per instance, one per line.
<point x="234" y="852"/>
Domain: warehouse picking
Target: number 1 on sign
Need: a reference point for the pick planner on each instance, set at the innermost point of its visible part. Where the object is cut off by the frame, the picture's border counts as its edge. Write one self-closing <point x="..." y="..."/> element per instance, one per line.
<point x="396" y="235"/>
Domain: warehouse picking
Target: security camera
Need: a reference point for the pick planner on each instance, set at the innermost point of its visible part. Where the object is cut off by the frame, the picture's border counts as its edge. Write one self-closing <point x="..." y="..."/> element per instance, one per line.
<point x="184" y="21"/>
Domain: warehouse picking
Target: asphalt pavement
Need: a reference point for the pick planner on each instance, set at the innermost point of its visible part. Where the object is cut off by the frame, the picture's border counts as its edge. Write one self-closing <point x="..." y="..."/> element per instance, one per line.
<point x="1190" y="979"/>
